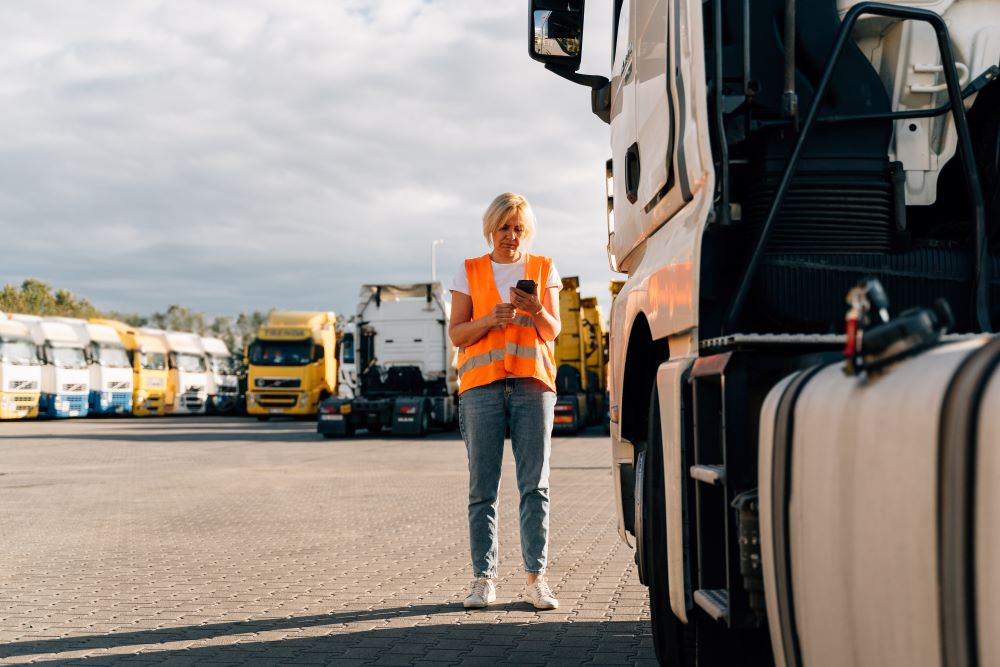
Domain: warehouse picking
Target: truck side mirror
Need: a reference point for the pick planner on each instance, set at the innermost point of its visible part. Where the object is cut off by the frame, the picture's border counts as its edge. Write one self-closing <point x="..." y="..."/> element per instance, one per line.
<point x="556" y="35"/>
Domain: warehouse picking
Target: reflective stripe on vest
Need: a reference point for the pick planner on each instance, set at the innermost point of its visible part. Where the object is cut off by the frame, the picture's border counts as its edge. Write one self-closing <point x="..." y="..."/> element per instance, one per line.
<point x="514" y="350"/>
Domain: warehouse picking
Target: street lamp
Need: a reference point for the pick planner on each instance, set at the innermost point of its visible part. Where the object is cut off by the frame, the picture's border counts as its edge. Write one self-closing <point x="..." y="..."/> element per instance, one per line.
<point x="434" y="244"/>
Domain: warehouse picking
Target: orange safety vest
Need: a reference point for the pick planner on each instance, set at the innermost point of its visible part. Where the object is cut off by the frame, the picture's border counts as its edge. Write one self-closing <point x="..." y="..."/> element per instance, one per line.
<point x="515" y="350"/>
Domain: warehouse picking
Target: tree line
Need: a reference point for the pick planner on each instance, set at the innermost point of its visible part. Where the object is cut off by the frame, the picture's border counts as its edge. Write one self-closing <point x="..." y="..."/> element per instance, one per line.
<point x="34" y="297"/>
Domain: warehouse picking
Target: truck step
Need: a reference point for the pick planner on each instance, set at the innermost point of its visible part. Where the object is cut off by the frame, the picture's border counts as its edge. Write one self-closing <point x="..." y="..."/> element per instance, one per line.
<point x="709" y="474"/>
<point x="715" y="602"/>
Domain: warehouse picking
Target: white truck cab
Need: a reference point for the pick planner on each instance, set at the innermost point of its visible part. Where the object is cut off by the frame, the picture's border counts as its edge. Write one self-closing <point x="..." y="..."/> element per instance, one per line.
<point x="187" y="379"/>
<point x="769" y="160"/>
<point x="20" y="370"/>
<point x="110" y="368"/>
<point x="65" y="385"/>
<point x="223" y="390"/>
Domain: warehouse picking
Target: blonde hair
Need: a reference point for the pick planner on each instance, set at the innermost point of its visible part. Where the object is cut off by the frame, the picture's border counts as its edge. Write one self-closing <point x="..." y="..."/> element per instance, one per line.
<point x="504" y="208"/>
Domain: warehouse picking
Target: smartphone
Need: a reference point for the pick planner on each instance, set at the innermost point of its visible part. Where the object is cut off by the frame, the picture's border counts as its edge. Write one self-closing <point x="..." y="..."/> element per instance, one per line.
<point x="526" y="285"/>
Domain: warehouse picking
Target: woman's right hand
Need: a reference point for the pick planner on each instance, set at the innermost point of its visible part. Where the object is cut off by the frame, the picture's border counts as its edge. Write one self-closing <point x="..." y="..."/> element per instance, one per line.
<point x="500" y="316"/>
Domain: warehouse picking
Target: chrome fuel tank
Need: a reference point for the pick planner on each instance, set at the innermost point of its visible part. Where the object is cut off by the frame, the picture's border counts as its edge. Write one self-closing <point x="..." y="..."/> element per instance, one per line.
<point x="880" y="512"/>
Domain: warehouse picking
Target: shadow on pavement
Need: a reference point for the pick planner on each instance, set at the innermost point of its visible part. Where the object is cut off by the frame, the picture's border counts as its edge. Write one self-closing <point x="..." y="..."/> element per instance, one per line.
<point x="535" y="640"/>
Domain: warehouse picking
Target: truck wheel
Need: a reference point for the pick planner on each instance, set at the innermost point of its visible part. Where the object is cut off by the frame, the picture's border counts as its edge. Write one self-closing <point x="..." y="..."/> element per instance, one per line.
<point x="671" y="638"/>
<point x="425" y="421"/>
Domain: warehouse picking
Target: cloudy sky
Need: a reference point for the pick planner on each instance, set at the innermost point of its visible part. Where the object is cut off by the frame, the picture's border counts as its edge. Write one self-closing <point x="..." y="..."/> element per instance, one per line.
<point x="247" y="154"/>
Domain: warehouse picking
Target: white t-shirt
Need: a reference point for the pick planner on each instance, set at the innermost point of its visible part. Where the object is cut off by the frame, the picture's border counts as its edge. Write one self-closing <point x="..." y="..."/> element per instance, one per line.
<point x="505" y="276"/>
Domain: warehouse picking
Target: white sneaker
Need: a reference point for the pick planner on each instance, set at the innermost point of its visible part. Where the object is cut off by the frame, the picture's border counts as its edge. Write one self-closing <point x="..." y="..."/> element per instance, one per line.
<point x="483" y="592"/>
<point x="540" y="596"/>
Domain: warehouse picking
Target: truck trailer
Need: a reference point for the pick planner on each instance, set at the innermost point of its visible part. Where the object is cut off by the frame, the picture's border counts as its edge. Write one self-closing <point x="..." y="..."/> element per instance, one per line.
<point x="65" y="385"/>
<point x="147" y="356"/>
<point x="407" y="380"/>
<point x="20" y="370"/>
<point x="109" y="365"/>
<point x="292" y="364"/>
<point x="803" y="386"/>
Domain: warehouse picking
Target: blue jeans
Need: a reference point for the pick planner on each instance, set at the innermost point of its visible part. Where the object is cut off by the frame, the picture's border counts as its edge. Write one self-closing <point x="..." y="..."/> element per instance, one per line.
<point x="526" y="406"/>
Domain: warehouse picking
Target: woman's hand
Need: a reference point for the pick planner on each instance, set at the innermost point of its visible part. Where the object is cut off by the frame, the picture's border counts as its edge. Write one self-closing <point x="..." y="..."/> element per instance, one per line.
<point x="500" y="316"/>
<point x="525" y="301"/>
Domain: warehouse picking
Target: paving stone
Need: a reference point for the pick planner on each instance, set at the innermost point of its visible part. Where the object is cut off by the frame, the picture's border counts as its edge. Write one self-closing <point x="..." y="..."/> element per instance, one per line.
<point x="224" y="541"/>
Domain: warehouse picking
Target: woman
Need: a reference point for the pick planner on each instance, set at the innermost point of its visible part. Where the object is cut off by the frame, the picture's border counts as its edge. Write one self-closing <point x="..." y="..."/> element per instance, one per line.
<point x="507" y="374"/>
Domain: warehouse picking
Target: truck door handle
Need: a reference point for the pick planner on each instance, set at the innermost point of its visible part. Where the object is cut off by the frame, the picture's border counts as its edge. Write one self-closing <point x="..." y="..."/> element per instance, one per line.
<point x="632" y="173"/>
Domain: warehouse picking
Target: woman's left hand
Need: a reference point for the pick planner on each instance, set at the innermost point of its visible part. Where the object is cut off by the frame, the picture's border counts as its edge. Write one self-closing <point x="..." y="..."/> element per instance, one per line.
<point x="525" y="301"/>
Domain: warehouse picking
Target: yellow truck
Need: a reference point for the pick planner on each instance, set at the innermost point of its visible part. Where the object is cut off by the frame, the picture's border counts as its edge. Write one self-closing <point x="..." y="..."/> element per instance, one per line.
<point x="580" y="351"/>
<point x="292" y="364"/>
<point x="148" y="355"/>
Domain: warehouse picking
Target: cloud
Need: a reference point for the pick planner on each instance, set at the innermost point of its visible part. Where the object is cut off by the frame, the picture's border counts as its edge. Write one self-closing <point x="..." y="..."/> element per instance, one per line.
<point x="247" y="154"/>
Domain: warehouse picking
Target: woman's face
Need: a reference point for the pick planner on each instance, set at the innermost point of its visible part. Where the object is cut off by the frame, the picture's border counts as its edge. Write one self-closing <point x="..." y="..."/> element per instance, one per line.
<point x="507" y="239"/>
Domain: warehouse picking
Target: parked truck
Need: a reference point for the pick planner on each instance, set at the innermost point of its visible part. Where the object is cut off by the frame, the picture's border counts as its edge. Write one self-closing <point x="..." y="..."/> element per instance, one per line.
<point x="20" y="370"/>
<point x="407" y="380"/>
<point x="292" y="364"/>
<point x="109" y="367"/>
<point x="223" y="389"/>
<point x="65" y="379"/>
<point x="803" y="487"/>
<point x="147" y="355"/>
<point x="187" y="372"/>
<point x="579" y="352"/>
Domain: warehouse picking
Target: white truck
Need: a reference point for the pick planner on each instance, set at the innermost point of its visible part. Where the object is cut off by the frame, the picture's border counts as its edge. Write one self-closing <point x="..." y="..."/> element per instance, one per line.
<point x="187" y="372"/>
<point x="801" y="487"/>
<point x="407" y="379"/>
<point x="20" y="370"/>
<point x="109" y="364"/>
<point x="65" y="385"/>
<point x="223" y="389"/>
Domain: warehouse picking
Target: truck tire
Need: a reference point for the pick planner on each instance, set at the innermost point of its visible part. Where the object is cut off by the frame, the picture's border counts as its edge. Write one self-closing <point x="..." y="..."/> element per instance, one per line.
<point x="670" y="636"/>
<point x="425" y="421"/>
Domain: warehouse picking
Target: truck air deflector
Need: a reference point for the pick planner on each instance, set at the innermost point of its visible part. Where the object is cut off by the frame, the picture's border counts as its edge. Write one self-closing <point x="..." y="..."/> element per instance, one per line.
<point x="957" y="505"/>
<point x="980" y="273"/>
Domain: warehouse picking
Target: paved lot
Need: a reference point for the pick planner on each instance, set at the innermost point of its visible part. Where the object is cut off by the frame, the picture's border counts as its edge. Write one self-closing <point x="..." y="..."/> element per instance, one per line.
<point x="228" y="541"/>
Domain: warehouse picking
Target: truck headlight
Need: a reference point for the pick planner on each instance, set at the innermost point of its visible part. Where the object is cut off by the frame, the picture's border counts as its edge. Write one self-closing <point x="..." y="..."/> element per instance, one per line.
<point x="304" y="400"/>
<point x="105" y="398"/>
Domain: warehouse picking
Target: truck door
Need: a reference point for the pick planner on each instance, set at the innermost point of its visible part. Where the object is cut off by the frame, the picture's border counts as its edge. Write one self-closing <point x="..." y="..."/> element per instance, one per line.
<point x="642" y="132"/>
<point x="654" y="113"/>
<point x="621" y="233"/>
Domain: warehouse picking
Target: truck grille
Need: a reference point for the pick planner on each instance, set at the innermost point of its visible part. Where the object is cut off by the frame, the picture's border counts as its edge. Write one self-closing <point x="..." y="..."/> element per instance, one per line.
<point x="24" y="399"/>
<point x="23" y="385"/>
<point x="192" y="401"/>
<point x="277" y="400"/>
<point x="76" y="402"/>
<point x="278" y="383"/>
<point x="118" y="385"/>
<point x="75" y="387"/>
<point x="121" y="400"/>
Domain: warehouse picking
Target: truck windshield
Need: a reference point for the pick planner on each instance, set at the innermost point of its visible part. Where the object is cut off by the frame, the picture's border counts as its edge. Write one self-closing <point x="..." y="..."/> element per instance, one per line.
<point x="111" y="356"/>
<point x="280" y="353"/>
<point x="347" y="349"/>
<point x="18" y="352"/>
<point x="66" y="357"/>
<point x="190" y="363"/>
<point x="153" y="361"/>
<point x="221" y="364"/>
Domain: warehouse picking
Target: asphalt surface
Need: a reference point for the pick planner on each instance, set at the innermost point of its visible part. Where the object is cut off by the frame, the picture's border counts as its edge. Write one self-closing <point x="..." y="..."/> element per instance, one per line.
<point x="228" y="541"/>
